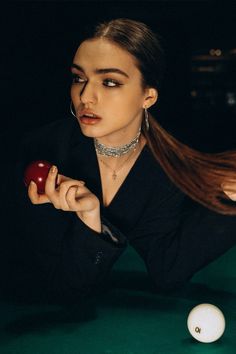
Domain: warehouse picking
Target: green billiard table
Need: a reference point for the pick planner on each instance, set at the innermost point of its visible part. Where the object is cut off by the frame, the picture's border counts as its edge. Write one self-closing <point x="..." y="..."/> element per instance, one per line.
<point x="127" y="317"/>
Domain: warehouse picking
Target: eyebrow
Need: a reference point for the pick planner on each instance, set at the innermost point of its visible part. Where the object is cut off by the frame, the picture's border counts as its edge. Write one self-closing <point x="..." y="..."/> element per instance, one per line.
<point x="102" y="71"/>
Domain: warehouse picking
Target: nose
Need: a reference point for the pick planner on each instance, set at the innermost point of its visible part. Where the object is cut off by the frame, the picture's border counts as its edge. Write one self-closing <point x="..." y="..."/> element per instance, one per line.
<point x="88" y="93"/>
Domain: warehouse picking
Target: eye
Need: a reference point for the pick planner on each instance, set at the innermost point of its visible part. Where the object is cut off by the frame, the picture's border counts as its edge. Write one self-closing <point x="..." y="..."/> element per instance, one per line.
<point x="111" y="83"/>
<point x="76" y="79"/>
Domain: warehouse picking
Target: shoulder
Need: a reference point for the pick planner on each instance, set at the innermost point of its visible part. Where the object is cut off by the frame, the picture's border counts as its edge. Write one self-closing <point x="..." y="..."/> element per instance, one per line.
<point x="48" y="132"/>
<point x="156" y="175"/>
<point x="164" y="195"/>
<point x="50" y="142"/>
<point x="52" y="131"/>
<point x="165" y="192"/>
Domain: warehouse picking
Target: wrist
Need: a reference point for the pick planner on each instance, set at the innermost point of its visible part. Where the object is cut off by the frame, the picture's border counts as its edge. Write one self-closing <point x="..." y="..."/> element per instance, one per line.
<point x="93" y="221"/>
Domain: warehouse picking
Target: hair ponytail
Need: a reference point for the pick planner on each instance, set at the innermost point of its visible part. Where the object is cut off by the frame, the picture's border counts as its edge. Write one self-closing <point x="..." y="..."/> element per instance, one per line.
<point x="199" y="175"/>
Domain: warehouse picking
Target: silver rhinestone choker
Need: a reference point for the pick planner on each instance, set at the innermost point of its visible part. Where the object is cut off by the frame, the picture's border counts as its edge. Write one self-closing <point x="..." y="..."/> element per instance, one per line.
<point x="118" y="150"/>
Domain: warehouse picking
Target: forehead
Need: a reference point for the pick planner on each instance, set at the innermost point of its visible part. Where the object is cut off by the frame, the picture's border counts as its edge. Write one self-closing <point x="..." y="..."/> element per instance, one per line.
<point x="101" y="53"/>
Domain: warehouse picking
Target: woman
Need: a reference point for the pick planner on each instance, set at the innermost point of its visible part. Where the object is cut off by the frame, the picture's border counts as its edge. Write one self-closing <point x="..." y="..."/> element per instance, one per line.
<point x="118" y="177"/>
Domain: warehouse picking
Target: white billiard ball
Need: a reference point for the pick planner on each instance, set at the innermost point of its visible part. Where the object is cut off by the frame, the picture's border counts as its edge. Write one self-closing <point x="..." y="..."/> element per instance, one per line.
<point x="206" y="323"/>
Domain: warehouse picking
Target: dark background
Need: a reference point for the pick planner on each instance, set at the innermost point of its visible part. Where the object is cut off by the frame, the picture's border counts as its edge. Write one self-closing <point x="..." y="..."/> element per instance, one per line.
<point x="38" y="41"/>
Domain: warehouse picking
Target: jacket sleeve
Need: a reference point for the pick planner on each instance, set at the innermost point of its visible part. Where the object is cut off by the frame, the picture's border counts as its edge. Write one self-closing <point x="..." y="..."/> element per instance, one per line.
<point x="53" y="254"/>
<point x="84" y="260"/>
<point x="50" y="253"/>
<point x="178" y="237"/>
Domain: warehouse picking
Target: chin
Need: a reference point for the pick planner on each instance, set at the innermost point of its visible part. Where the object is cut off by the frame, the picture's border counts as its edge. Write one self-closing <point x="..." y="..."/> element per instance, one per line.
<point x="90" y="132"/>
<point x="93" y="131"/>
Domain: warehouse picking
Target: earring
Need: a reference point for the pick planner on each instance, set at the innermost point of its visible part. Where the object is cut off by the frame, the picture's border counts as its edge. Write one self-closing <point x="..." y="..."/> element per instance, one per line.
<point x="146" y="118"/>
<point x="71" y="110"/>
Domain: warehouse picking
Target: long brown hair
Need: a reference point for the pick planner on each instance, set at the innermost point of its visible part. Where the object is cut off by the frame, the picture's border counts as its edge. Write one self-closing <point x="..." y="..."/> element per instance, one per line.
<point x="200" y="175"/>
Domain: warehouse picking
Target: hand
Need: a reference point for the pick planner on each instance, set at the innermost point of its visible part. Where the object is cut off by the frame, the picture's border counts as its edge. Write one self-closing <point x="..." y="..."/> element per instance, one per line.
<point x="69" y="195"/>
<point x="229" y="189"/>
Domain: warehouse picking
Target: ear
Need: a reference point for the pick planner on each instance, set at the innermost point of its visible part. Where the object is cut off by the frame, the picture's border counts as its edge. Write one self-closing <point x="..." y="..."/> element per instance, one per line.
<point x="151" y="96"/>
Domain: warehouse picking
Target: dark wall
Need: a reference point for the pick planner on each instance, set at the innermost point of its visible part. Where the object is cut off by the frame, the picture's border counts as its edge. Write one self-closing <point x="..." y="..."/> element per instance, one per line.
<point x="38" y="40"/>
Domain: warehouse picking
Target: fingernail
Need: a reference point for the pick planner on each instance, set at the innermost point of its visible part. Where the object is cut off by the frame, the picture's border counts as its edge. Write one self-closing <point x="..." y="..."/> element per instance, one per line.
<point x="53" y="169"/>
<point x="32" y="183"/>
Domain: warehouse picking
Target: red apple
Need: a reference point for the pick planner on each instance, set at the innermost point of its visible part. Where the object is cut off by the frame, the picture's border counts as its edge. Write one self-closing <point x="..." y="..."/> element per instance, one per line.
<point x="37" y="171"/>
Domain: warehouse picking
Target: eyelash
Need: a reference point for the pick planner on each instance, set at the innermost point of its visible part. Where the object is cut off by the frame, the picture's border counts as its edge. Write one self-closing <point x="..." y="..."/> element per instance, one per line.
<point x="76" y="80"/>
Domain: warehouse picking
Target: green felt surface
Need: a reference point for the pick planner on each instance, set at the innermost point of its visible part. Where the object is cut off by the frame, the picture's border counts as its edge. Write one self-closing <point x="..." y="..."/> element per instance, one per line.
<point x="128" y="318"/>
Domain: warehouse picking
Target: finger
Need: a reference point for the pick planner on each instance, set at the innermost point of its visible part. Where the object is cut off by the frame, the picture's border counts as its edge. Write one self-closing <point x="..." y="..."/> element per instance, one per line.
<point x="232" y="196"/>
<point x="71" y="198"/>
<point x="34" y="196"/>
<point x="229" y="186"/>
<point x="61" y="178"/>
<point x="85" y="200"/>
<point x="78" y="198"/>
<point x="63" y="191"/>
<point x="79" y="201"/>
<point x="50" y="186"/>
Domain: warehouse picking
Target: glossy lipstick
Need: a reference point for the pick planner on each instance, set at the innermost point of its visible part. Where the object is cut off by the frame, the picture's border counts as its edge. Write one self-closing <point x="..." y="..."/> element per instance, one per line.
<point x="88" y="117"/>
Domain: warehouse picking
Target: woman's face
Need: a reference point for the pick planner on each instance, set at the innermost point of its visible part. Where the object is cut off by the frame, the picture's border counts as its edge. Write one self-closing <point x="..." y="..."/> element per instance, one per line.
<point x="107" y="83"/>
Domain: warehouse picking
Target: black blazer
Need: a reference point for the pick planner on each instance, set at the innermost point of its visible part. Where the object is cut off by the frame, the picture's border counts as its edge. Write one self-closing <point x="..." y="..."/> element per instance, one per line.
<point x="56" y="254"/>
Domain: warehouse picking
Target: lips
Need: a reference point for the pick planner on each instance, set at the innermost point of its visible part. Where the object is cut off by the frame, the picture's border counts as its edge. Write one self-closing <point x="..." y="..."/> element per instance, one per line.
<point x="88" y="117"/>
<point x="88" y="114"/>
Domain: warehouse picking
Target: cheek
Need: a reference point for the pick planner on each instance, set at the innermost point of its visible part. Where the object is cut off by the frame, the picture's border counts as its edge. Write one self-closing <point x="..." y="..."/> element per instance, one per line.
<point x="124" y="110"/>
<point x="123" y="97"/>
<point x="74" y="93"/>
<point x="132" y="100"/>
<point x="113" y="94"/>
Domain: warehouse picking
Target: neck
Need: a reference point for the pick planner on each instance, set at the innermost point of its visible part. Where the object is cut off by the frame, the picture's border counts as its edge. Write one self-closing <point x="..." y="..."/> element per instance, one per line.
<point x="115" y="165"/>
<point x="117" y="151"/>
